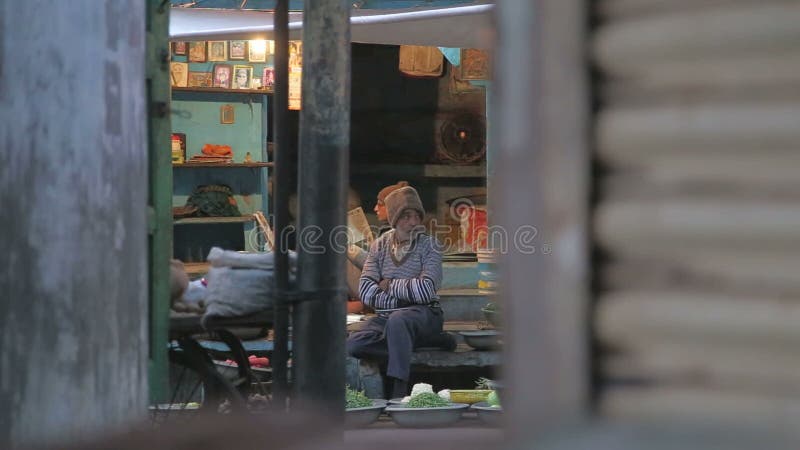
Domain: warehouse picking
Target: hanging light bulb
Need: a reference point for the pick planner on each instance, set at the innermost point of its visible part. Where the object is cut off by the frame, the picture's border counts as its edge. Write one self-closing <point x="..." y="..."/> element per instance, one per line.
<point x="259" y="46"/>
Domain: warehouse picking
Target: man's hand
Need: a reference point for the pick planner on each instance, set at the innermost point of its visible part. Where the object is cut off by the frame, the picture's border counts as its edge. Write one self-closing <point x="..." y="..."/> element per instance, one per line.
<point x="384" y="284"/>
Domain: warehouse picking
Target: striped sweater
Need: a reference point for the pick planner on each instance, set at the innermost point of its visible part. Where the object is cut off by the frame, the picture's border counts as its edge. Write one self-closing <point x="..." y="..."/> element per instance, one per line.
<point x="415" y="279"/>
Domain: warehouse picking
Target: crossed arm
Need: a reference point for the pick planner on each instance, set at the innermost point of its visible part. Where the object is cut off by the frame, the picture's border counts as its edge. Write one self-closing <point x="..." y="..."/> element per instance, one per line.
<point x="385" y="293"/>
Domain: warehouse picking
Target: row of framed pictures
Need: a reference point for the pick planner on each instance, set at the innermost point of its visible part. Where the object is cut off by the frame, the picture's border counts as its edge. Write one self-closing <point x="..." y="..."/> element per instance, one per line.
<point x="225" y="76"/>
<point x="202" y="51"/>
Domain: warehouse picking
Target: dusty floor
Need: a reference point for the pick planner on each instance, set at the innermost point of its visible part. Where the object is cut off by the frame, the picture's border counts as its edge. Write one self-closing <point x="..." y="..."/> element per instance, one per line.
<point x="469" y="433"/>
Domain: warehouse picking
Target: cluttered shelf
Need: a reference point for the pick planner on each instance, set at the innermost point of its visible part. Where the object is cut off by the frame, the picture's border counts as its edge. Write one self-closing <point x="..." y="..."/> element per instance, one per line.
<point x="226" y="165"/>
<point x="223" y="90"/>
<point x="196" y="268"/>
<point x="200" y="220"/>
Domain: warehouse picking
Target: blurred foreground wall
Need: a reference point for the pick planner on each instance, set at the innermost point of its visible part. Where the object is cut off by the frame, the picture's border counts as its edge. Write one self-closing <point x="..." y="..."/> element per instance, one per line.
<point x="73" y="185"/>
<point x="699" y="211"/>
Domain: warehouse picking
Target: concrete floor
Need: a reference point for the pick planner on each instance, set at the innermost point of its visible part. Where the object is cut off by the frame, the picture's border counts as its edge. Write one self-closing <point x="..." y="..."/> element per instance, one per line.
<point x="469" y="433"/>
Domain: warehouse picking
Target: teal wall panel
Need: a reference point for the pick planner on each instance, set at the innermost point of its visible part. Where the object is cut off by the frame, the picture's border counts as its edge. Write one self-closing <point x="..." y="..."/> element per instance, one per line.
<point x="200" y="121"/>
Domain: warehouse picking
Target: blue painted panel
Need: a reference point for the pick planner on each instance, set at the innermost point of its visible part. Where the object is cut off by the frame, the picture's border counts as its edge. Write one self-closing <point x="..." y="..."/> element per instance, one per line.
<point x="200" y="121"/>
<point x="452" y="54"/>
<point x="460" y="275"/>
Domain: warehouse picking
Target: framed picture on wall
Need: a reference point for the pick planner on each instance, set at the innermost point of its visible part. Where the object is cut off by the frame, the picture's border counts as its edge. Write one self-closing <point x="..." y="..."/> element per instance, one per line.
<point x="217" y="51"/>
<point x="197" y="51"/>
<point x="237" y="50"/>
<point x="257" y="51"/>
<point x="200" y="79"/>
<point x="242" y="77"/>
<point x="295" y="55"/>
<point x="178" y="74"/>
<point x="222" y="76"/>
<point x="268" y="77"/>
<point x="226" y="114"/>
<point x="179" y="48"/>
<point x="474" y="65"/>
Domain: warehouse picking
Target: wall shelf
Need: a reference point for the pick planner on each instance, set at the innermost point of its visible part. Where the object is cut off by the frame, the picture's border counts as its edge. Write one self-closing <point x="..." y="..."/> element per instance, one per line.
<point x="223" y="90"/>
<point x="207" y="220"/>
<point x="222" y="165"/>
<point x="421" y="170"/>
<point x="196" y="268"/>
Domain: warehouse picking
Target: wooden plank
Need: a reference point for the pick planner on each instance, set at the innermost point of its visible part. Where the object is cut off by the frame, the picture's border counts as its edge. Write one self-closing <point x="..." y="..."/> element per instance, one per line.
<point x="190" y="165"/>
<point x="194" y="268"/>
<point x="223" y="90"/>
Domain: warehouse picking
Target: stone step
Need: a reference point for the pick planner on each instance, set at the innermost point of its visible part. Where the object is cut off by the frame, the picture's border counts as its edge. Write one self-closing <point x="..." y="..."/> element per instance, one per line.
<point x="463" y="304"/>
<point x="460" y="275"/>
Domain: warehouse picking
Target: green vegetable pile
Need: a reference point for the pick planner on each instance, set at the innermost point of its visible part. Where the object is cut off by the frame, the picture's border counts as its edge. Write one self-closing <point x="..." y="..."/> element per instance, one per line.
<point x="356" y="399"/>
<point x="427" y="400"/>
<point x="483" y="383"/>
<point x="493" y="399"/>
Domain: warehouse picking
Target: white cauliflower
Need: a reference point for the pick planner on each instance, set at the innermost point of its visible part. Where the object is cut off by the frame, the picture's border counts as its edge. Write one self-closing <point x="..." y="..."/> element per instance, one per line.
<point x="445" y="394"/>
<point x="420" y="388"/>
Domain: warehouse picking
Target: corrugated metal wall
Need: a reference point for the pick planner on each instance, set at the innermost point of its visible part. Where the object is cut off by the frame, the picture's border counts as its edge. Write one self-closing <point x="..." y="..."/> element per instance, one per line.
<point x="698" y="139"/>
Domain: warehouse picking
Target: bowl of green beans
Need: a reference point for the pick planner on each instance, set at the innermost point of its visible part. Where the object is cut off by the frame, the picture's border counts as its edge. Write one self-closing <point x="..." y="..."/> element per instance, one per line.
<point x="361" y="411"/>
<point x="426" y="410"/>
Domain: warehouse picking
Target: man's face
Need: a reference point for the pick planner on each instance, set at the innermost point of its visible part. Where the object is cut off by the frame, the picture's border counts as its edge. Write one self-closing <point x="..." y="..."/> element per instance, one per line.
<point x="409" y="220"/>
<point x="241" y="78"/>
<point x="380" y="210"/>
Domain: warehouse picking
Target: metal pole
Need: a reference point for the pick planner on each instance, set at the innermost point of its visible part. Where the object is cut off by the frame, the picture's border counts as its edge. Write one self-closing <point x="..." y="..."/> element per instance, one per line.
<point x="319" y="317"/>
<point x="540" y="138"/>
<point x="281" y="188"/>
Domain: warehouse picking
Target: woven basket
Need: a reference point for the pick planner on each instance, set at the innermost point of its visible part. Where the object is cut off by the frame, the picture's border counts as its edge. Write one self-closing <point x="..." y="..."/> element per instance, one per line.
<point x="469" y="396"/>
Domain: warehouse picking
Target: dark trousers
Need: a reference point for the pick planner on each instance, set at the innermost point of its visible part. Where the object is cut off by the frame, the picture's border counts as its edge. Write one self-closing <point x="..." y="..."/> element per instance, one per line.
<point x="392" y="338"/>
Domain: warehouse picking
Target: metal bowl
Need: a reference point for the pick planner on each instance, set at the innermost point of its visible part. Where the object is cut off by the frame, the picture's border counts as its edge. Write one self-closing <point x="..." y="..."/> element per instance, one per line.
<point x="492" y="415"/>
<point x="361" y="417"/>
<point x="482" y="339"/>
<point x="441" y="416"/>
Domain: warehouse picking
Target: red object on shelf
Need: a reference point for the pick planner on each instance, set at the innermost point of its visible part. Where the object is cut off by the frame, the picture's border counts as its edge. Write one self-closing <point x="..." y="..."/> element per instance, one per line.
<point x="474" y="231"/>
<point x="258" y="361"/>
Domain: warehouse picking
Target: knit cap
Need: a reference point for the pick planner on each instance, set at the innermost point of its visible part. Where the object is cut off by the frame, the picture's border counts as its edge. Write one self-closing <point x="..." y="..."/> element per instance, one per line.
<point x="401" y="200"/>
<point x="389" y="189"/>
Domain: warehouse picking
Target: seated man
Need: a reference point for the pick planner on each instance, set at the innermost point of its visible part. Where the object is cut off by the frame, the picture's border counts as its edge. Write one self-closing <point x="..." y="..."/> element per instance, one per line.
<point x="356" y="255"/>
<point x="400" y="280"/>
